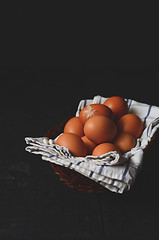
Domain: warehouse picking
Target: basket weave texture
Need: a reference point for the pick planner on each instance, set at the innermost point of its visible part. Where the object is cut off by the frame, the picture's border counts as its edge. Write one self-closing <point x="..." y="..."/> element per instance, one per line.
<point x="70" y="177"/>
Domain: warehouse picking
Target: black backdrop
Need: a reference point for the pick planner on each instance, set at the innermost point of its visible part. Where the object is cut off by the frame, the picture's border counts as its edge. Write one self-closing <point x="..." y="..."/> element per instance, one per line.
<point x="50" y="60"/>
<point x="34" y="204"/>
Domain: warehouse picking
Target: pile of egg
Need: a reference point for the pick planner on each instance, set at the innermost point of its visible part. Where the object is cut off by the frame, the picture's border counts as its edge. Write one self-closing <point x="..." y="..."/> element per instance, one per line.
<point x="101" y="128"/>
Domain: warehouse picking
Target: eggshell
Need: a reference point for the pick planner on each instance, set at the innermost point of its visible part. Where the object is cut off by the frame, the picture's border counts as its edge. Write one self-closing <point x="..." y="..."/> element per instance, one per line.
<point x="100" y="129"/>
<point x="118" y="106"/>
<point x="104" y="148"/>
<point x="74" y="144"/>
<point x="124" y="142"/>
<point x="74" y="125"/>
<point x="89" y="144"/>
<point x="132" y="124"/>
<point x="94" y="110"/>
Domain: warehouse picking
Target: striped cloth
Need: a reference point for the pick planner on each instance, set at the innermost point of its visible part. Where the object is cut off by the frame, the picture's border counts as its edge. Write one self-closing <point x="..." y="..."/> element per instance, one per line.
<point x="114" y="171"/>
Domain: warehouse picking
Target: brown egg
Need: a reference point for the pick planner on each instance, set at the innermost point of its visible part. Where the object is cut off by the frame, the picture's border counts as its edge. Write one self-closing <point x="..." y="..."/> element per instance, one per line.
<point x="94" y="110"/>
<point x="118" y="106"/>
<point x="74" y="125"/>
<point x="100" y="129"/>
<point x="124" y="142"/>
<point x="132" y="124"/>
<point x="89" y="144"/>
<point x="74" y="144"/>
<point x="104" y="148"/>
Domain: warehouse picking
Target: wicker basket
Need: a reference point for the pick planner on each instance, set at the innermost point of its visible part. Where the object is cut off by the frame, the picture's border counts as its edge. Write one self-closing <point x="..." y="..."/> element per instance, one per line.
<point x="70" y="177"/>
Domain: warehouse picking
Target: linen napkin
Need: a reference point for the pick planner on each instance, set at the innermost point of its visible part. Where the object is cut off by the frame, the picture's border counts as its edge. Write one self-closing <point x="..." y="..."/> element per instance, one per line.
<point x="114" y="171"/>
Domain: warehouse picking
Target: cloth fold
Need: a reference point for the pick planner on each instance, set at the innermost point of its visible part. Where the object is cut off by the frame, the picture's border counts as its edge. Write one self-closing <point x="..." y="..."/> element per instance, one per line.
<point x="114" y="171"/>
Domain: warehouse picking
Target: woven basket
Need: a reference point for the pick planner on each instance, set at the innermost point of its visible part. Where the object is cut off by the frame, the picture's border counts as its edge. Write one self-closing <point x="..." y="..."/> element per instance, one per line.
<point x="70" y="177"/>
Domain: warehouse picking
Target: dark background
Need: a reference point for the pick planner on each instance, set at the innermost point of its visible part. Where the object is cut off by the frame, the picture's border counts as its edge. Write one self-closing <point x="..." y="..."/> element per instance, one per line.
<point x="51" y="58"/>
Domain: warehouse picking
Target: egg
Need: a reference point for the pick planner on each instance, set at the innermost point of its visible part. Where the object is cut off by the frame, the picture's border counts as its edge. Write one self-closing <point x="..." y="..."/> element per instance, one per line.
<point x="132" y="124"/>
<point x="104" y="148"/>
<point x="74" y="144"/>
<point x="89" y="144"/>
<point x="118" y="106"/>
<point x="124" y="142"/>
<point x="100" y="129"/>
<point x="94" y="110"/>
<point x="74" y="125"/>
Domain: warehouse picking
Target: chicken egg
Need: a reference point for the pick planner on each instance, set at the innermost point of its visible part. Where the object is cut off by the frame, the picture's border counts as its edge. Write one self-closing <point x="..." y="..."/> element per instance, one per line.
<point x="118" y="106"/>
<point x="124" y="142"/>
<point x="132" y="124"/>
<point x="100" y="129"/>
<point x="74" y="125"/>
<point x="89" y="144"/>
<point x="74" y="144"/>
<point x="104" y="148"/>
<point x="94" y="110"/>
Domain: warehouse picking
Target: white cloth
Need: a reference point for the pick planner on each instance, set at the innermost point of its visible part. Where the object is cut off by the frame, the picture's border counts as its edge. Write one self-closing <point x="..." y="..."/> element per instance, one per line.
<point x="114" y="171"/>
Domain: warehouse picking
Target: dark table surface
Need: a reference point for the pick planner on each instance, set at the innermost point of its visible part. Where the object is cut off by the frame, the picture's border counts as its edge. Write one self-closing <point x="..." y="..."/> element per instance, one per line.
<point x="34" y="203"/>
